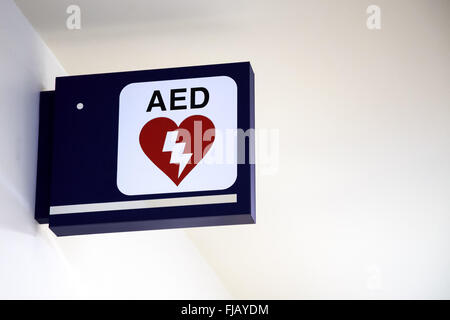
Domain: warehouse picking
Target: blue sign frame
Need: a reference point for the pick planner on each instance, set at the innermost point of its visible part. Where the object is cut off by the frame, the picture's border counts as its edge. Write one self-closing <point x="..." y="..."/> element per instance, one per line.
<point x="77" y="157"/>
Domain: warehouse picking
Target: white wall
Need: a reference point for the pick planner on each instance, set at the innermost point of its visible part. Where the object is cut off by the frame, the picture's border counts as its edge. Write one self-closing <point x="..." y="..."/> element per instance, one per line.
<point x="360" y="205"/>
<point x="33" y="262"/>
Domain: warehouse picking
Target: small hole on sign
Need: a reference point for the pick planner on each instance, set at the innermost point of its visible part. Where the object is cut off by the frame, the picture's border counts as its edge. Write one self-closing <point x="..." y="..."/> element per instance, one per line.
<point x="80" y="106"/>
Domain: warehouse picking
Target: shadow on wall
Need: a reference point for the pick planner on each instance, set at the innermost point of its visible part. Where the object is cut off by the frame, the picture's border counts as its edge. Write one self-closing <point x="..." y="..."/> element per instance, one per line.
<point x="137" y="15"/>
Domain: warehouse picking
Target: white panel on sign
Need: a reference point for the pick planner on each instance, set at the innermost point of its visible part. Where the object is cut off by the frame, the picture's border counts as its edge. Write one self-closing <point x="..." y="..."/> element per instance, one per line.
<point x="160" y="124"/>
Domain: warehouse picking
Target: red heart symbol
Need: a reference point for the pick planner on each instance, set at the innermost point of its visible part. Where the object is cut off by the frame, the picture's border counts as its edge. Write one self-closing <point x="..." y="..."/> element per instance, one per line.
<point x="176" y="150"/>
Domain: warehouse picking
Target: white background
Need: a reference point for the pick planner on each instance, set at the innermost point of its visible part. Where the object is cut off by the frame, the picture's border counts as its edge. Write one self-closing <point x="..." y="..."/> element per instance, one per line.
<point x="360" y="205"/>
<point x="136" y="174"/>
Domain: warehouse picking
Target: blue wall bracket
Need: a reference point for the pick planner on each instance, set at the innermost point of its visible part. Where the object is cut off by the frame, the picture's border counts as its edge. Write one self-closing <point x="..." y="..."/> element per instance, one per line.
<point x="42" y="204"/>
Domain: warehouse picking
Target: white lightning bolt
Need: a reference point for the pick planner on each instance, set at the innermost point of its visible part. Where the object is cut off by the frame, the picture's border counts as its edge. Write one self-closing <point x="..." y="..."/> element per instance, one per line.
<point x="177" y="149"/>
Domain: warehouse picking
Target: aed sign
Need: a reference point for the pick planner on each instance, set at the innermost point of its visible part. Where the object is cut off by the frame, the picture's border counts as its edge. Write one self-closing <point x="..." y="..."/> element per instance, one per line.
<point x="148" y="149"/>
<point x="167" y="135"/>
